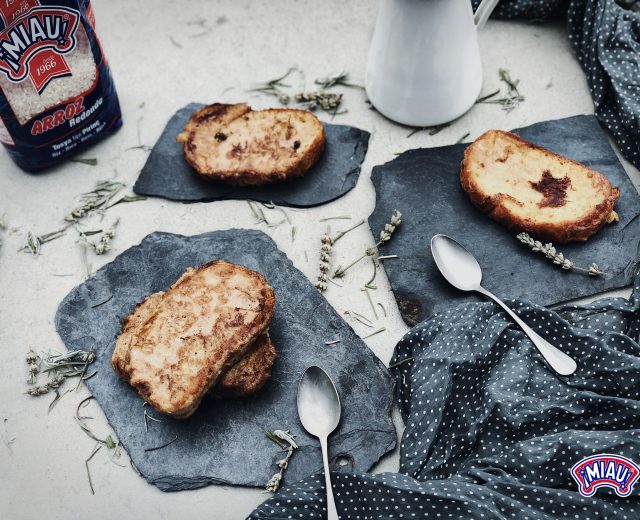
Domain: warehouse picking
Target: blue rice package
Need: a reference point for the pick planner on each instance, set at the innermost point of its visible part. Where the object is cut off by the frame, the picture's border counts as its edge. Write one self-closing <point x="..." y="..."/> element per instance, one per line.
<point x="57" y="95"/>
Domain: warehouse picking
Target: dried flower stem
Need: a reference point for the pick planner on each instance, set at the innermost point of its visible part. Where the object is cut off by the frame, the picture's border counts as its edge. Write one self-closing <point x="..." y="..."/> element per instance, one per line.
<point x="385" y="236"/>
<point x="126" y="199"/>
<point x="359" y="318"/>
<point x="322" y="98"/>
<point x="463" y="137"/>
<point x="343" y="233"/>
<point x="286" y="441"/>
<point x="155" y="448"/>
<point x="35" y="241"/>
<point x="433" y="130"/>
<point x="89" y="161"/>
<point x="102" y="244"/>
<point x="96" y="449"/>
<point x="373" y="307"/>
<point x="274" y="86"/>
<point x="382" y="329"/>
<point x="59" y="367"/>
<point x="511" y="99"/>
<point x="401" y="362"/>
<point x="96" y="199"/>
<point x="337" y="80"/>
<point x="148" y="417"/>
<point x="488" y="96"/>
<point x="369" y="284"/>
<point x="558" y="258"/>
<point x="341" y="217"/>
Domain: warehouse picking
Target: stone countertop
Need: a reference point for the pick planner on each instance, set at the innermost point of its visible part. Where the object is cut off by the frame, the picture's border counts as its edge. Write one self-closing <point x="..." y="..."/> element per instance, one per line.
<point x="163" y="55"/>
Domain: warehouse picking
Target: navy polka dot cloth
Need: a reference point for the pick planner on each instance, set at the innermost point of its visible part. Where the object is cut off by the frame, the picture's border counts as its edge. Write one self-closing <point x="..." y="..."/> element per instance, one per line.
<point x="491" y="432"/>
<point x="605" y="35"/>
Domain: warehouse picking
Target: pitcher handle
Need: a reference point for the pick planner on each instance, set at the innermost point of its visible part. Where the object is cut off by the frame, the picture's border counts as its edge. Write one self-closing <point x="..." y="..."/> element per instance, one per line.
<point x="483" y="12"/>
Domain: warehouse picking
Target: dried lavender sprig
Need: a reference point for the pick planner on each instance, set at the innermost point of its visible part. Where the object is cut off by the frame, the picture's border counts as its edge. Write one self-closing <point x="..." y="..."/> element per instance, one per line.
<point x="60" y="366"/>
<point x="102" y="245"/>
<point x="558" y="258"/>
<point x="385" y="236"/>
<point x="325" y="261"/>
<point x="325" y="255"/>
<point x="34" y="242"/>
<point x="53" y="383"/>
<point x="327" y="101"/>
<point x="71" y="358"/>
<point x="34" y="366"/>
<point x="103" y="192"/>
<point x="285" y="440"/>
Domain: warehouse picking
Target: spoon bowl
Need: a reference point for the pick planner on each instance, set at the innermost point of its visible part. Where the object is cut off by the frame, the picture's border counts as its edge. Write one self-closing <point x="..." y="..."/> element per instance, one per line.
<point x="318" y="402"/>
<point x="456" y="264"/>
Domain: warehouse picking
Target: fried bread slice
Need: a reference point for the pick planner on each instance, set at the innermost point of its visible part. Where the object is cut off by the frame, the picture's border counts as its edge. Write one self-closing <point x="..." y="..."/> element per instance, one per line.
<point x="244" y="378"/>
<point x="250" y="373"/>
<point x="528" y="188"/>
<point x="177" y="345"/>
<point x="237" y="145"/>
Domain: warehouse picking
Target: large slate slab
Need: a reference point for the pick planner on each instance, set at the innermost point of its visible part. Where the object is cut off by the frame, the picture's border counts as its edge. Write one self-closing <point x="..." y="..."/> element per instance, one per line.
<point x="224" y="441"/>
<point x="166" y="174"/>
<point x="424" y="185"/>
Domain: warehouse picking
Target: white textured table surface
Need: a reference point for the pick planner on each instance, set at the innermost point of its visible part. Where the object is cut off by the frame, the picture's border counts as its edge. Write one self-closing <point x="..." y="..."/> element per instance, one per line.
<point x="42" y="472"/>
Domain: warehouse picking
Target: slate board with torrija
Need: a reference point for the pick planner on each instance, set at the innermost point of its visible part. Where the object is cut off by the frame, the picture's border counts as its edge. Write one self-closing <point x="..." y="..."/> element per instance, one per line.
<point x="424" y="185"/>
<point x="166" y="174"/>
<point x="224" y="442"/>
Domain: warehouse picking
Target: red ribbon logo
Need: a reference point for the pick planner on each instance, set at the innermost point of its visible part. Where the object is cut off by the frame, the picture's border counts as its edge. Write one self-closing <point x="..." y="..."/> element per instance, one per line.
<point x="34" y="41"/>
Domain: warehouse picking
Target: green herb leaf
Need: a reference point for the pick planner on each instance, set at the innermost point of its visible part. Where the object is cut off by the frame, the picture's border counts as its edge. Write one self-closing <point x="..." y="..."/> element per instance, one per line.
<point x="85" y="160"/>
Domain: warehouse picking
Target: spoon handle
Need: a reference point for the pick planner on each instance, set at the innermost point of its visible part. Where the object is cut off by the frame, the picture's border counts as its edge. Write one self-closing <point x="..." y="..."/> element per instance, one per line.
<point x="332" y="512"/>
<point x="557" y="360"/>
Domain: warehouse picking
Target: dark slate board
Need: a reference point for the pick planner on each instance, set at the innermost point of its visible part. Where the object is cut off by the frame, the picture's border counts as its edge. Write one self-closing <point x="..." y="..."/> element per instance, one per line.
<point x="424" y="185"/>
<point x="224" y="441"/>
<point x="167" y="175"/>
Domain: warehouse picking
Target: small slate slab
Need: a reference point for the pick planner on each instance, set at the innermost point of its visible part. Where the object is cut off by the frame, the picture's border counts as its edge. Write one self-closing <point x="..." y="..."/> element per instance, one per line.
<point x="166" y="174"/>
<point x="224" y="442"/>
<point x="424" y="185"/>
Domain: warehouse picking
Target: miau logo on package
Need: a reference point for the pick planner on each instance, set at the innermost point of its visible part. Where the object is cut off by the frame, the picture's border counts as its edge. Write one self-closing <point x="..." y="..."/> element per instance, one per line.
<point x="612" y="471"/>
<point x="33" y="44"/>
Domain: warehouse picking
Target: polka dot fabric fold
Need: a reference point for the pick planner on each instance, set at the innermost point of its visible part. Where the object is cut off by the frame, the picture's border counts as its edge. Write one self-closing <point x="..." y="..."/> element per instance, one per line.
<point x="605" y="35"/>
<point x="491" y="432"/>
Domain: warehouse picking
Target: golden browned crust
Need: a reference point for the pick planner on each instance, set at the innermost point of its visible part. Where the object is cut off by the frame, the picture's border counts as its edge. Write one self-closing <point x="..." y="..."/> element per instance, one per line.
<point x="250" y="373"/>
<point x="176" y="345"/>
<point x="237" y="145"/>
<point x="505" y="207"/>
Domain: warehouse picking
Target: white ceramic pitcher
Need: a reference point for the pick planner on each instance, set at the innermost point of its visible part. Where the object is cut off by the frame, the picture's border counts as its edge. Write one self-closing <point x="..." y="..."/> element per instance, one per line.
<point x="424" y="62"/>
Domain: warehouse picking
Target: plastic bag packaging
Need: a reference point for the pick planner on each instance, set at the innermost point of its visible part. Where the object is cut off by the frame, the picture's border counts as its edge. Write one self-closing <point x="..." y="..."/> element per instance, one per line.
<point x="56" y="92"/>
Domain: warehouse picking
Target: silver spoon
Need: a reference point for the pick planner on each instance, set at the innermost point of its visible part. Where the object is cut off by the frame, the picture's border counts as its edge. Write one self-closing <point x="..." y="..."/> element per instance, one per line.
<point x="319" y="411"/>
<point x="462" y="270"/>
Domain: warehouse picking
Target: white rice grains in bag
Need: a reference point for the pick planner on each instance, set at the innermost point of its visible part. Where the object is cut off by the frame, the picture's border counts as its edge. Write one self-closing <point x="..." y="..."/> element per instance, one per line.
<point x="56" y="91"/>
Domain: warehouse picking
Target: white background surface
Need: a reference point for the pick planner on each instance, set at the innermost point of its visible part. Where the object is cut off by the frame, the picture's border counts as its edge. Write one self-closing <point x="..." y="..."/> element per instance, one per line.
<point x="42" y="473"/>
